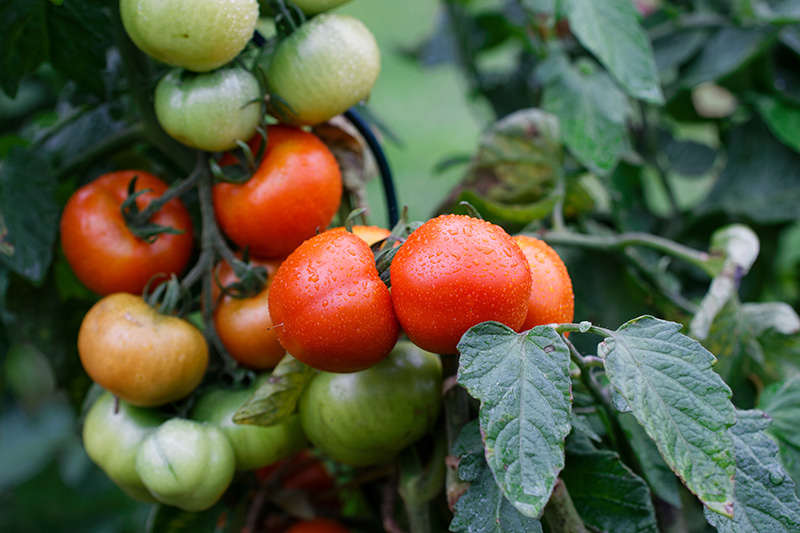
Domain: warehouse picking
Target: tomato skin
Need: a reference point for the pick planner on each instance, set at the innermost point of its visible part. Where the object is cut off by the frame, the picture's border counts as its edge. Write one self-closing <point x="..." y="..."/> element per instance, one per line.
<point x="244" y="325"/>
<point x="551" y="300"/>
<point x="186" y="463"/>
<point x="112" y="437"/>
<point x="454" y="272"/>
<point x="318" y="525"/>
<point x="370" y="234"/>
<point x="102" y="251"/>
<point x="198" y="35"/>
<point x="333" y="311"/>
<point x="145" y="358"/>
<point x="368" y="417"/>
<point x="209" y="111"/>
<point x="293" y="194"/>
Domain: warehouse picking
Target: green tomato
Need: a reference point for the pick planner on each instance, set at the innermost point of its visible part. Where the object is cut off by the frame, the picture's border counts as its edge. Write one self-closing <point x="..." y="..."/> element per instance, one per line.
<point x="368" y="417"/>
<point x="326" y="66"/>
<point x="186" y="464"/>
<point x="112" y="436"/>
<point x="198" y="35"/>
<point x="254" y="446"/>
<point x="209" y="111"/>
<point x="309" y="7"/>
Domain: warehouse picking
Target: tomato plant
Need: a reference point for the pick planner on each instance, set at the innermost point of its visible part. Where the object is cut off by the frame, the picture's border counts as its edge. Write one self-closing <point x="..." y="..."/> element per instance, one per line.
<point x="454" y="272"/>
<point x="145" y="358"/>
<point x="105" y="254"/>
<point x="332" y="309"/>
<point x="551" y="300"/>
<point x="293" y="194"/>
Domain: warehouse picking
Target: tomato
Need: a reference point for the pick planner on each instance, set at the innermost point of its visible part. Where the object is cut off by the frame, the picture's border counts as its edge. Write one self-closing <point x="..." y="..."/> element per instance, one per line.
<point x="318" y="525"/>
<point x="551" y="299"/>
<point x="309" y="7"/>
<point x="454" y="272"/>
<point x="198" y="35"/>
<point x="104" y="254"/>
<point x="331" y="308"/>
<point x="253" y="446"/>
<point x="145" y="358"/>
<point x="186" y="464"/>
<point x="294" y="193"/>
<point x="326" y="66"/>
<point x="303" y="472"/>
<point x="209" y="111"/>
<point x="244" y="325"/>
<point x="370" y="234"/>
<point x="112" y="433"/>
<point x="368" y="417"/>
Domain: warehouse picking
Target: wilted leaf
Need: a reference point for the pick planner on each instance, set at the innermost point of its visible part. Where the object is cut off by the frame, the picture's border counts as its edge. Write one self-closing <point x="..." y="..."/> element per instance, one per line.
<point x="277" y="398"/>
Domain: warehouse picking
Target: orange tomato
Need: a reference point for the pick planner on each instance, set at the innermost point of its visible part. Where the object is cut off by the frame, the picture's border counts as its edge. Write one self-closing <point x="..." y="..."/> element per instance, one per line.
<point x="551" y="299"/>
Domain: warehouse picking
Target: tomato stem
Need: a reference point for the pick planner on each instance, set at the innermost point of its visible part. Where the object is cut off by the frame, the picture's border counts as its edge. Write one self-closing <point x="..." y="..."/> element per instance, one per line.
<point x="560" y="513"/>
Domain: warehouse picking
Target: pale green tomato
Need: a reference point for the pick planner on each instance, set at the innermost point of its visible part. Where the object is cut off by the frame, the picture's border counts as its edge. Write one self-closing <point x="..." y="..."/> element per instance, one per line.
<point x="209" y="111"/>
<point x="186" y="464"/>
<point x="326" y="66"/>
<point x="254" y="446"/>
<point x="198" y="35"/>
<point x="111" y="438"/>
<point x="309" y="7"/>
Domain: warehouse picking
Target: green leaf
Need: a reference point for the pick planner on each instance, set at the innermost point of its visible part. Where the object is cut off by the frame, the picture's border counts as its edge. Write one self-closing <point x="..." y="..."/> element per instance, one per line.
<point x="468" y="447"/>
<point x="765" y="497"/>
<point x="776" y="316"/>
<point x="781" y="401"/>
<point x="522" y="381"/>
<point x="168" y="519"/>
<point x="677" y="47"/>
<point x="606" y="493"/>
<point x="687" y="157"/>
<point x="276" y="398"/>
<point x="510" y="213"/>
<point x="30" y="213"/>
<point x="591" y="110"/>
<point x="782" y="119"/>
<point x="683" y="405"/>
<point x="725" y="52"/>
<point x="611" y="31"/>
<point x="72" y="36"/>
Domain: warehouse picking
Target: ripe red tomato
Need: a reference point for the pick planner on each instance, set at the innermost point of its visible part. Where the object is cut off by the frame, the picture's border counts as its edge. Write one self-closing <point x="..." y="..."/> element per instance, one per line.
<point x="454" y="272"/>
<point x="318" y="525"/>
<point x="551" y="299"/>
<point x="330" y="306"/>
<point x="244" y="325"/>
<point x="102" y="251"/>
<point x="294" y="193"/>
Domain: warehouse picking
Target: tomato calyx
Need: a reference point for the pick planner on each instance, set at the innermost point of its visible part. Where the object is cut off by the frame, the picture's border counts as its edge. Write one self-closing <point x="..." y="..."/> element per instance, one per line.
<point x="169" y="297"/>
<point x="251" y="281"/>
<point x="288" y="17"/>
<point x="241" y="163"/>
<point x="138" y="220"/>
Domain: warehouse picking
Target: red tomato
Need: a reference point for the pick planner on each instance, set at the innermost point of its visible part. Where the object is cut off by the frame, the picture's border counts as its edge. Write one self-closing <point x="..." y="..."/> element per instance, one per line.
<point x="551" y="299"/>
<point x="102" y="251"/>
<point x="294" y="193"/>
<point x="330" y="306"/>
<point x="318" y="525"/>
<point x="302" y="472"/>
<point x="454" y="272"/>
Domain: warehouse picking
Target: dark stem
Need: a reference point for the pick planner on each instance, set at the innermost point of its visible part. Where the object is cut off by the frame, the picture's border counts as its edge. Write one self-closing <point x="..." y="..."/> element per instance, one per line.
<point x="560" y="514"/>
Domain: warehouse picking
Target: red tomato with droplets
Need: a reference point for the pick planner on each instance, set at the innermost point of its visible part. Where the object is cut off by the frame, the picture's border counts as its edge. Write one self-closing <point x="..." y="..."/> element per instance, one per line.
<point x="551" y="299"/>
<point x="454" y="272"/>
<point x="318" y="525"/>
<point x="330" y="307"/>
<point x="292" y="195"/>
<point x="104" y="254"/>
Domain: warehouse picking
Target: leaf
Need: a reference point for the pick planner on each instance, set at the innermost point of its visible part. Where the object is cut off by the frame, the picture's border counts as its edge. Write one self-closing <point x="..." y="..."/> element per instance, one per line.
<point x="781" y="401"/>
<point x="276" y="398"/>
<point x="687" y="157"/>
<point x="765" y="497"/>
<point x="611" y="31"/>
<point x="168" y="519"/>
<point x="677" y="47"/>
<point x="468" y="447"/>
<point x="72" y="36"/>
<point x="591" y="110"/>
<point x="510" y="213"/>
<point x="776" y="316"/>
<point x="522" y="381"/>
<point x="30" y="213"/>
<point x="782" y="119"/>
<point x="606" y="493"/>
<point x="683" y="405"/>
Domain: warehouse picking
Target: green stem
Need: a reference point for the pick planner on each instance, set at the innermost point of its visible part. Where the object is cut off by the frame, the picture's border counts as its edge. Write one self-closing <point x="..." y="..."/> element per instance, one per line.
<point x="560" y="514"/>
<point x="175" y="190"/>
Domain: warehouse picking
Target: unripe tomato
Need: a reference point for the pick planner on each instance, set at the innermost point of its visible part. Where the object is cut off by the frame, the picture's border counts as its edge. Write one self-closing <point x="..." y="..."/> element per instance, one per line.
<point x="551" y="299"/>
<point x="145" y="358"/>
<point x="368" y="417"/>
<point x="331" y="308"/>
<point x="312" y="7"/>
<point x="454" y="272"/>
<point x="244" y="325"/>
<point x="294" y="193"/>
<point x="104" y="254"/>
<point x="253" y="446"/>
<point x="112" y="433"/>
<point x="326" y="66"/>
<point x="318" y="525"/>
<point x="209" y="111"/>
<point x="187" y="464"/>
<point x="198" y="35"/>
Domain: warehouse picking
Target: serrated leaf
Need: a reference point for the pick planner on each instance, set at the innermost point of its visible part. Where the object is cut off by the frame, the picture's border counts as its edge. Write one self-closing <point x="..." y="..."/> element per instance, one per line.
<point x="781" y="401"/>
<point x="683" y="405"/>
<point x="611" y="31"/>
<point x="782" y="119"/>
<point x="727" y="50"/>
<point x="765" y="497"/>
<point x="30" y="213"/>
<point x="523" y="384"/>
<point x="606" y="493"/>
<point x="276" y="398"/>
<point x="591" y="110"/>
